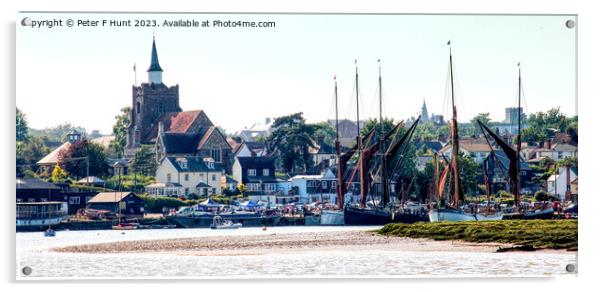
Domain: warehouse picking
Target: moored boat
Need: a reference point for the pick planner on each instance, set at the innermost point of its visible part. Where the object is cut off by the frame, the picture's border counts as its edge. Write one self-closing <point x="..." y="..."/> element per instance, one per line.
<point x="187" y="217"/>
<point x="220" y="223"/>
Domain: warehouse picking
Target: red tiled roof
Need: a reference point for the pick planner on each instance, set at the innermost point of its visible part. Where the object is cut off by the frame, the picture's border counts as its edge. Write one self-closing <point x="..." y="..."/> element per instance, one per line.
<point x="174" y="122"/>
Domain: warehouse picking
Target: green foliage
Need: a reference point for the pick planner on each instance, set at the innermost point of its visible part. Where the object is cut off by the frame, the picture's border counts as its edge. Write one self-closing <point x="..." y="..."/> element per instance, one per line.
<point x="326" y="133"/>
<point x="58" y="175"/>
<point x="468" y="173"/>
<point x="28" y="152"/>
<point x="381" y="128"/>
<point x="557" y="234"/>
<point x="242" y="189"/>
<point x="69" y="159"/>
<point x="130" y="182"/>
<point x="120" y="131"/>
<point x="542" y="125"/>
<point x="57" y="133"/>
<point x="426" y="132"/>
<point x="145" y="161"/>
<point x="157" y="204"/>
<point x="484" y="118"/>
<point x="22" y="129"/>
<point x="291" y="139"/>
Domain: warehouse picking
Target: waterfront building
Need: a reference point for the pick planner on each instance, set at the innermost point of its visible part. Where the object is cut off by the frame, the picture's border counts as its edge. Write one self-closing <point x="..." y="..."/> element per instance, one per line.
<point x="258" y="176"/>
<point x="187" y="175"/>
<point x="555" y="152"/>
<point x="323" y="156"/>
<point x="125" y="203"/>
<point x="249" y="149"/>
<point x="559" y="184"/>
<point x="315" y="188"/>
<point x="48" y="162"/>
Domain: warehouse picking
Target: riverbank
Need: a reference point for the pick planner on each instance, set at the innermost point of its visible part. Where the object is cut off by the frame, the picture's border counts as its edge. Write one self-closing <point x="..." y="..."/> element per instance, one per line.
<point x="272" y="243"/>
<point x="538" y="234"/>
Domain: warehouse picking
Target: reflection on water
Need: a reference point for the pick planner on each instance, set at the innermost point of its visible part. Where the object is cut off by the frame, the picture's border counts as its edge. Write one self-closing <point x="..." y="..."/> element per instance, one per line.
<point x="33" y="252"/>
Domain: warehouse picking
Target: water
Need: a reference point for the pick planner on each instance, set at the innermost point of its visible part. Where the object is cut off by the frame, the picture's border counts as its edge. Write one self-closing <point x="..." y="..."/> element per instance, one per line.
<point x="33" y="251"/>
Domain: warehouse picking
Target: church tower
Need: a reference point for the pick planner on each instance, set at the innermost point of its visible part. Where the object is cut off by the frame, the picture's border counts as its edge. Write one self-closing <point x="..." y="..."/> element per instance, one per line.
<point x="424" y="115"/>
<point x="150" y="101"/>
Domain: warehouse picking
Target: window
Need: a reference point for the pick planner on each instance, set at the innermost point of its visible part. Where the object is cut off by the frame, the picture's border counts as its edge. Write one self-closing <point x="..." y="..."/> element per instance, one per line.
<point x="212" y="190"/>
<point x="251" y="172"/>
<point x="266" y="172"/>
<point x="74" y="200"/>
<point x="213" y="177"/>
<point x="324" y="184"/>
<point x="186" y="191"/>
<point x="169" y="177"/>
<point x="19" y="200"/>
<point x="137" y="107"/>
<point x="186" y="177"/>
<point x="216" y="154"/>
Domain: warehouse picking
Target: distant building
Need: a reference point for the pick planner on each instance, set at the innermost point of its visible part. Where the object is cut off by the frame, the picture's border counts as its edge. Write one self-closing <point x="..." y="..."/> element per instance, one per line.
<point x="424" y="113"/>
<point x="347" y="131"/>
<point x="555" y="152"/>
<point x="250" y="149"/>
<point x="560" y="183"/>
<point x="477" y="149"/>
<point x="256" y="131"/>
<point x="512" y="114"/>
<point x="48" y="162"/>
<point x="323" y="156"/>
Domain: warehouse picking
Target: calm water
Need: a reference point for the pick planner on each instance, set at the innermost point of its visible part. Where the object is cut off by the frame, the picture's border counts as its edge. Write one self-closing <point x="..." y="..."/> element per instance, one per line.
<point x="32" y="251"/>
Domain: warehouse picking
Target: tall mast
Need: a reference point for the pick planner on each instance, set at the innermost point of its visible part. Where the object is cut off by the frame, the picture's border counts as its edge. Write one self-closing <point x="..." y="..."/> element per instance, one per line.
<point x="384" y="169"/>
<point x="454" y="134"/>
<point x="360" y="149"/>
<point x="518" y="142"/>
<point x="337" y="145"/>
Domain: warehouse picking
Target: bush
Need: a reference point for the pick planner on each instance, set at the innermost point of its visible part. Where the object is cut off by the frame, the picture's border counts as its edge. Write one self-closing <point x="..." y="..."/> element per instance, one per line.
<point x="157" y="204"/>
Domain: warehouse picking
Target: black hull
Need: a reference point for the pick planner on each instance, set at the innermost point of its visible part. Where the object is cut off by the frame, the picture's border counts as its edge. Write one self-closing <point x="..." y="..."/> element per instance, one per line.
<point x="530" y="215"/>
<point x="359" y="216"/>
<point x="206" y="221"/>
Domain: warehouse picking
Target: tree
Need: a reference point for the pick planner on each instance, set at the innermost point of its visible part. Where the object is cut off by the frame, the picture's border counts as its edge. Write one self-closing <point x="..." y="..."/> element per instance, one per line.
<point x="484" y="118"/>
<point x="120" y="131"/>
<point x="72" y="160"/>
<point x="242" y="189"/>
<point x="291" y="139"/>
<point x="58" y="174"/>
<point x="28" y="153"/>
<point x="22" y="128"/>
<point x="326" y="133"/>
<point x="426" y="132"/>
<point x="145" y="161"/>
<point x="381" y="127"/>
<point x="57" y="133"/>
<point x="542" y="125"/>
<point x="469" y="171"/>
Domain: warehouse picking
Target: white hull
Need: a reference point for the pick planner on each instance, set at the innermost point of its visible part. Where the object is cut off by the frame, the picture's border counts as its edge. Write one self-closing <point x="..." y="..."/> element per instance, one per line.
<point x="232" y="226"/>
<point x="440" y="215"/>
<point x="496" y="216"/>
<point x="331" y="217"/>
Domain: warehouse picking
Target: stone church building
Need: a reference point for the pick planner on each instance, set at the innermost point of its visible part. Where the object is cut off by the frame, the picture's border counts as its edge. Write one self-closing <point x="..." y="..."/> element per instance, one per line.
<point x="157" y="119"/>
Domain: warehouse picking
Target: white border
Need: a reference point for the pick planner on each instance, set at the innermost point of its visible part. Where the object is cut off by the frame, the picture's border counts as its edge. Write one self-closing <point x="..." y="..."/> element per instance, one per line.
<point x="589" y="51"/>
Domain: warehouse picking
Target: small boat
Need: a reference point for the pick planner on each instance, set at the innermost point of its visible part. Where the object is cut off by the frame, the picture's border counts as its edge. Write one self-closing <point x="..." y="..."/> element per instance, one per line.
<point x="49" y="233"/>
<point x="547" y="213"/>
<point x="220" y="223"/>
<point x="332" y="217"/>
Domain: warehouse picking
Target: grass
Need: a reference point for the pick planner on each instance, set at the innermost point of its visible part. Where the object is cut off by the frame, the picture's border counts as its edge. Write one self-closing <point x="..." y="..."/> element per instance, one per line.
<point x="555" y="234"/>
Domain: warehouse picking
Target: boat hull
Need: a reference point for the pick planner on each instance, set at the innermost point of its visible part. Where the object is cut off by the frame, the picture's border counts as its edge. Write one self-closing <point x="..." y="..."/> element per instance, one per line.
<point x="440" y="215"/>
<point x="332" y="217"/>
<point x="359" y="216"/>
<point x="187" y="221"/>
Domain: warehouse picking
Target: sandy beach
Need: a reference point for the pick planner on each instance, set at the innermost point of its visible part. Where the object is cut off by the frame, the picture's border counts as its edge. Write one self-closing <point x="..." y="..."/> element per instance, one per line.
<point x="279" y="243"/>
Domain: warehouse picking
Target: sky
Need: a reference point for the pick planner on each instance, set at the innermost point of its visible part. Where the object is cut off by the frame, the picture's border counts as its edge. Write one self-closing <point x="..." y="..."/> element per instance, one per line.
<point x="240" y="76"/>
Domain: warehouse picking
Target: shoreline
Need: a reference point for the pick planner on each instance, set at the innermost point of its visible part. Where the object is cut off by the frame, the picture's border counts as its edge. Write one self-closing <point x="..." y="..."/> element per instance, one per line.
<point x="240" y="245"/>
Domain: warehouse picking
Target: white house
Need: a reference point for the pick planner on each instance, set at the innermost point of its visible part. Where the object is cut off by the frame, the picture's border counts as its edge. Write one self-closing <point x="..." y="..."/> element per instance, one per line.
<point x="316" y="188"/>
<point x="559" y="184"/>
<point x="194" y="175"/>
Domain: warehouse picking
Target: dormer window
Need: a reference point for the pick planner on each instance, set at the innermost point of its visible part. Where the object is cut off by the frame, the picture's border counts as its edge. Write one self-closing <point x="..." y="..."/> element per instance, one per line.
<point x="183" y="163"/>
<point x="251" y="172"/>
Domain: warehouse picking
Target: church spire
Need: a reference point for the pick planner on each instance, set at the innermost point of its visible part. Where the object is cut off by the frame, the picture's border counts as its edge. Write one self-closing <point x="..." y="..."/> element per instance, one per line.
<point x="154" y="71"/>
<point x="425" y="114"/>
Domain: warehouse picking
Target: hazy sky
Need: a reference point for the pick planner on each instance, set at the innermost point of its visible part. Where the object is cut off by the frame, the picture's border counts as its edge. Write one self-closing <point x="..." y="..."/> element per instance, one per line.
<point x="239" y="76"/>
